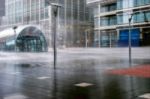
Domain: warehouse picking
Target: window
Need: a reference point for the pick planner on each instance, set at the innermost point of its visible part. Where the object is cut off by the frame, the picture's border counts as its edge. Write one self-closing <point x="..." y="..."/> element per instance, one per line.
<point x="147" y="16"/>
<point x="140" y="17"/>
<point x="119" y="4"/>
<point x="125" y="18"/>
<point x="112" y="7"/>
<point x="104" y="9"/>
<point x="108" y="21"/>
<point x="96" y="22"/>
<point x="104" y="21"/>
<point x="112" y="20"/>
<point x="119" y="19"/>
<point x="147" y="1"/>
<point x="108" y="8"/>
<point x="96" y="38"/>
<point x="96" y="10"/>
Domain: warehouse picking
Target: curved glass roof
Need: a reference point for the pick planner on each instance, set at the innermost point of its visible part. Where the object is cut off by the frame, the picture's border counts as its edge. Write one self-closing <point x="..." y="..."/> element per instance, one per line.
<point x="10" y="31"/>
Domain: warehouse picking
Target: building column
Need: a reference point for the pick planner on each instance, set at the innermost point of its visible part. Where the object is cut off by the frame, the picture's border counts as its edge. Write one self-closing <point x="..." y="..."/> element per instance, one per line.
<point x="118" y="34"/>
<point x="30" y="11"/>
<point x="99" y="10"/>
<point x="141" y="36"/>
<point x="65" y="26"/>
<point x="110" y="39"/>
<point x="39" y="11"/>
<point x="22" y="5"/>
<point x="99" y="36"/>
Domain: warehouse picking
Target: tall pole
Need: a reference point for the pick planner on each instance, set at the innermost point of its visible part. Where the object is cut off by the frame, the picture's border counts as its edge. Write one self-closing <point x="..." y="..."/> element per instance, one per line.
<point x="55" y="13"/>
<point x="130" y="56"/>
<point x="130" y="44"/>
<point x="86" y="40"/>
<point x="54" y="42"/>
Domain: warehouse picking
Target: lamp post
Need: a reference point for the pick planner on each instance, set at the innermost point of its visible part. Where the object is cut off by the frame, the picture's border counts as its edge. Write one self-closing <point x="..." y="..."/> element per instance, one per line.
<point x="130" y="52"/>
<point x="86" y="39"/>
<point x="55" y="13"/>
<point x="130" y="44"/>
<point x="14" y="28"/>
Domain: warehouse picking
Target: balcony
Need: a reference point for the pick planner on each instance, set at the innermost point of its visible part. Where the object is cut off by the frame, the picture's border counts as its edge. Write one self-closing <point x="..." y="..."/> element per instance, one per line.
<point x="92" y="1"/>
<point x="107" y="27"/>
<point x="101" y="1"/>
<point x="105" y="2"/>
<point x="108" y="13"/>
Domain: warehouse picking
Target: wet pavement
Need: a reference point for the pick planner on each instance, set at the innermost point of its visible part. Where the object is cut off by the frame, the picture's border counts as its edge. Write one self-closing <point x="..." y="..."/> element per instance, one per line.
<point x="80" y="74"/>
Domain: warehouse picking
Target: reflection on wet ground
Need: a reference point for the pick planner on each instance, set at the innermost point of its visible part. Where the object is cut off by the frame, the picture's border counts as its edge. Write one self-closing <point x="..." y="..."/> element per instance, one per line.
<point x="39" y="80"/>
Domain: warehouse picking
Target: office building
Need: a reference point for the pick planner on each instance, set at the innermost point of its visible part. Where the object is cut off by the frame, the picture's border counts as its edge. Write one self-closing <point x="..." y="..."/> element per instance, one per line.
<point x="74" y="19"/>
<point x="111" y="19"/>
<point x="2" y="8"/>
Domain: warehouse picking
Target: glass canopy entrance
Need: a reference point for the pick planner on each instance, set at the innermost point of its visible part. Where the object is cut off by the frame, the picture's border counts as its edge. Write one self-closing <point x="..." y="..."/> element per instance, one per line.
<point x="31" y="39"/>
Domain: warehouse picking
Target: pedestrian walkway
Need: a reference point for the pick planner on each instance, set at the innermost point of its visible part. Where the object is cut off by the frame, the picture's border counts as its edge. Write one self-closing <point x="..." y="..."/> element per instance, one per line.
<point x="80" y="74"/>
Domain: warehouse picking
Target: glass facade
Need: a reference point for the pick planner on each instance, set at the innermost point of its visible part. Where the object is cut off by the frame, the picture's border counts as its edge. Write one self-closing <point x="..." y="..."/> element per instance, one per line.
<point x="123" y="4"/>
<point x="96" y="39"/>
<point x="138" y="17"/>
<point x="108" y="8"/>
<point x="2" y="8"/>
<point x="73" y="18"/>
<point x="108" y="21"/>
<point x="31" y="40"/>
<point x="114" y="17"/>
<point x="97" y="22"/>
<point x="108" y="38"/>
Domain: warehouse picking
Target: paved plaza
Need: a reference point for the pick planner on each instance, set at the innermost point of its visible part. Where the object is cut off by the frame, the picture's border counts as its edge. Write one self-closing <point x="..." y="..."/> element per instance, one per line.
<point x="81" y="73"/>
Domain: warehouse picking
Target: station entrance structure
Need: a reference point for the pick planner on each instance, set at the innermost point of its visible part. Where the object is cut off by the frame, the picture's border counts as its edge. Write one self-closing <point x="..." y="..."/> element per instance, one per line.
<point x="23" y="39"/>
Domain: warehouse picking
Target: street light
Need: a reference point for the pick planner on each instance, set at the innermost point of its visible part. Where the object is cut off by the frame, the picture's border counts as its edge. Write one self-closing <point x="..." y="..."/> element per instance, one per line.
<point x="56" y="7"/>
<point x="14" y="28"/>
<point x="55" y="13"/>
<point x="130" y="19"/>
<point x="130" y="44"/>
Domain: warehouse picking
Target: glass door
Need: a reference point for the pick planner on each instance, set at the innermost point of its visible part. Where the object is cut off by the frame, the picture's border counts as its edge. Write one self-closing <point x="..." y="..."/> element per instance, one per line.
<point x="108" y="39"/>
<point x="105" y="39"/>
<point x="113" y="39"/>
